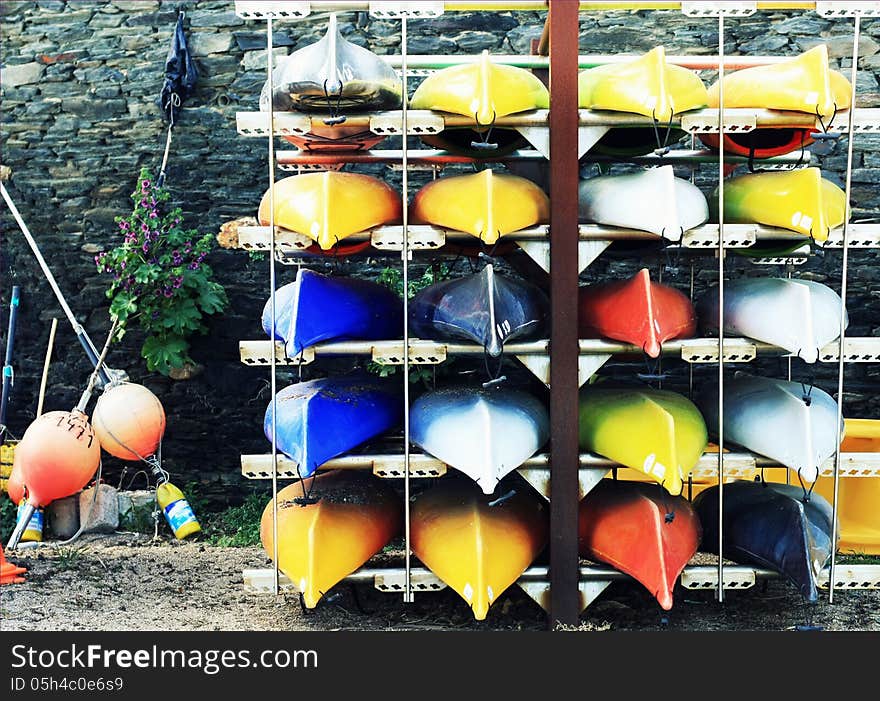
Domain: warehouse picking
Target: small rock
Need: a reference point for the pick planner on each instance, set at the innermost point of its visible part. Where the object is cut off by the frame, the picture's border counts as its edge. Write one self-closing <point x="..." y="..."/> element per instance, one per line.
<point x="22" y="74"/>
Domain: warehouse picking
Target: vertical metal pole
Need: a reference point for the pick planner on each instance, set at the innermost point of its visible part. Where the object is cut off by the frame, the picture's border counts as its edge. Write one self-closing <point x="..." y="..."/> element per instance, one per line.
<point x="407" y="590"/>
<point x="843" y="279"/>
<point x="275" y="586"/>
<point x="563" y="36"/>
<point x="720" y="590"/>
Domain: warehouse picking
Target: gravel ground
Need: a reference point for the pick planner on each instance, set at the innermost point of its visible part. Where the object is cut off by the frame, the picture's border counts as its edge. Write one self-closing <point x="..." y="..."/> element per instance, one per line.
<point x="130" y="582"/>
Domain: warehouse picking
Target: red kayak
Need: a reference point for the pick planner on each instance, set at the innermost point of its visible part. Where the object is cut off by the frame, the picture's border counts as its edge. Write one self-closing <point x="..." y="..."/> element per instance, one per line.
<point x="635" y="311"/>
<point x="641" y="530"/>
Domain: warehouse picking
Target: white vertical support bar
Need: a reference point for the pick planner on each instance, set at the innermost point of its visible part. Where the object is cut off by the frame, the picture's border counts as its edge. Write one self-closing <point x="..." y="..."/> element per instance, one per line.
<point x="407" y="589"/>
<point x="843" y="276"/>
<point x="275" y="584"/>
<point x="720" y="589"/>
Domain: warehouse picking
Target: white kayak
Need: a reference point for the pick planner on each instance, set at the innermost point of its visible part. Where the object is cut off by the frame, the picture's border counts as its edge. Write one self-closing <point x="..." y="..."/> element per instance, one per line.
<point x="784" y="421"/>
<point x="652" y="200"/>
<point x="484" y="433"/>
<point x="800" y="316"/>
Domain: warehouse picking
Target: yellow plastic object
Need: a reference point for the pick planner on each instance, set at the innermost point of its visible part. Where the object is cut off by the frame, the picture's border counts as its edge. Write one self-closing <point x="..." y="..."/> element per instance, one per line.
<point x="321" y="543"/>
<point x="798" y="200"/>
<point x="330" y="206"/>
<point x="483" y="90"/>
<point x="648" y="86"/>
<point x="801" y="84"/>
<point x="7" y="455"/>
<point x="669" y="439"/>
<point x="486" y="205"/>
<point x="177" y="510"/>
<point x="476" y="549"/>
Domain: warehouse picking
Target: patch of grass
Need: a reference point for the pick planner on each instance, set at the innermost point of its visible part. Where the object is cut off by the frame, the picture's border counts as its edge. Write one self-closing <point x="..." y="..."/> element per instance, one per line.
<point x="8" y="511"/>
<point x="236" y="526"/>
<point x="852" y="558"/>
<point x="69" y="557"/>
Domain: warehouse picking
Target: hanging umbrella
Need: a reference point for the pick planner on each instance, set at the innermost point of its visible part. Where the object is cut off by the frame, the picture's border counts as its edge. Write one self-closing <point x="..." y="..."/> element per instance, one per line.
<point x="180" y="81"/>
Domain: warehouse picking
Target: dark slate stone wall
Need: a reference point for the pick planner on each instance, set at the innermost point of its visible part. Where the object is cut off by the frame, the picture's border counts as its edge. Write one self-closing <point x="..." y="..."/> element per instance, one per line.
<point x="78" y="85"/>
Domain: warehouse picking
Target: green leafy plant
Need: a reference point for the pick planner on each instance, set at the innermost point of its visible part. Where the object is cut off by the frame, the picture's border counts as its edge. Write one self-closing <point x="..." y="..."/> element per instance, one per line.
<point x="8" y="512"/>
<point x="236" y="526"/>
<point x="393" y="279"/>
<point x="160" y="279"/>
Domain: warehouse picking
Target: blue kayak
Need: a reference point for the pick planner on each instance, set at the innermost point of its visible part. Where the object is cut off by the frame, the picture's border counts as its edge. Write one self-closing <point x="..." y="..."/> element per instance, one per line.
<point x="322" y="419"/>
<point x="485" y="308"/>
<point x="770" y="525"/>
<point x="316" y="308"/>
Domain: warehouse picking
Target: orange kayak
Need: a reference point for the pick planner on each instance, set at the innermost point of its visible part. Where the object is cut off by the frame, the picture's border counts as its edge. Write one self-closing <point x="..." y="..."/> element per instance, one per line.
<point x="321" y="543"/>
<point x="641" y="530"/>
<point x="636" y="311"/>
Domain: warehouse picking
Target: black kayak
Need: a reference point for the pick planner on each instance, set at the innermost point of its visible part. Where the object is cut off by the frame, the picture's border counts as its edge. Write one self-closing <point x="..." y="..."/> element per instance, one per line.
<point x="770" y="525"/>
<point x="485" y="308"/>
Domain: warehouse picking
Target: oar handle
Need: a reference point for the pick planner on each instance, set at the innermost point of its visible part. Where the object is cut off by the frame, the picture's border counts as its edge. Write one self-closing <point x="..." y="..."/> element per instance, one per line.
<point x="21" y="525"/>
<point x="85" y="342"/>
<point x="7" y="363"/>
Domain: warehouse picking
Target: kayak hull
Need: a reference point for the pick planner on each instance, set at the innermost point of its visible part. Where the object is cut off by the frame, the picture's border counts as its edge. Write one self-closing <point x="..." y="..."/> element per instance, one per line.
<point x="487" y="205"/>
<point x="801" y="316"/>
<point x="485" y="308"/>
<point x="485" y="434"/>
<point x="321" y="543"/>
<point x="330" y="206"/>
<point x="639" y="529"/>
<point x="476" y="549"/>
<point x="321" y="419"/>
<point x="666" y="205"/>
<point x="316" y="308"/>
<point x="770" y="525"/>
<point x="771" y="417"/>
<point x="671" y="436"/>
<point x="636" y="311"/>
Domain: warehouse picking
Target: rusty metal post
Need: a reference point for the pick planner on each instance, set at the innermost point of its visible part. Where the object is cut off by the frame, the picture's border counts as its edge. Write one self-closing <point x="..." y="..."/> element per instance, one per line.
<point x="563" y="39"/>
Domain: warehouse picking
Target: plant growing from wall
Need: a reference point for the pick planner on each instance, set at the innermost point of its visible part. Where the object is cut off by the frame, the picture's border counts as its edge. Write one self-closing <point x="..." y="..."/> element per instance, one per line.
<point x="160" y="279"/>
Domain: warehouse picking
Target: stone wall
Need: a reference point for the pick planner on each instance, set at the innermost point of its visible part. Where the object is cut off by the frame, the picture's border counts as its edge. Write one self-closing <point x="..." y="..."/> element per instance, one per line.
<point x="79" y="119"/>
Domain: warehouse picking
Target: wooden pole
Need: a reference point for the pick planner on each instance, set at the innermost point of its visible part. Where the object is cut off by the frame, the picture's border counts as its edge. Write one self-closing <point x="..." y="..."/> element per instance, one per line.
<point x="563" y="43"/>
<point x="46" y="366"/>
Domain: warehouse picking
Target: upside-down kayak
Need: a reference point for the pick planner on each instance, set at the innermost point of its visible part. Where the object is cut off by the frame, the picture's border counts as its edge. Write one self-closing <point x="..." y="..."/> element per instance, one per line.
<point x="858" y="498"/>
<point x="778" y="419"/>
<point x="477" y="549"/>
<point x="482" y="91"/>
<point x="316" y="308"/>
<point x="322" y="419"/>
<point x="804" y="83"/>
<point x="800" y="316"/>
<point x="648" y="86"/>
<point x="349" y="518"/>
<point x="635" y="311"/>
<point x="333" y="76"/>
<point x="329" y="206"/>
<point x="799" y="200"/>
<point x="657" y="432"/>
<point x="770" y="525"/>
<point x="487" y="205"/>
<point x="484" y="433"/>
<point x="485" y="307"/>
<point x="641" y="530"/>
<point x="651" y="200"/>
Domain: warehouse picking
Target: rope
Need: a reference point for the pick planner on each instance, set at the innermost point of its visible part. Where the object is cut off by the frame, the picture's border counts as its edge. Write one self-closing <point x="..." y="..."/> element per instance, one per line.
<point x="173" y="101"/>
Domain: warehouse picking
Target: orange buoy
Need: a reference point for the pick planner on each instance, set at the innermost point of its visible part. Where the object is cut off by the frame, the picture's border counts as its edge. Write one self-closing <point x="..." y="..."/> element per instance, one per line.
<point x="57" y="456"/>
<point x="129" y="421"/>
<point x="15" y="485"/>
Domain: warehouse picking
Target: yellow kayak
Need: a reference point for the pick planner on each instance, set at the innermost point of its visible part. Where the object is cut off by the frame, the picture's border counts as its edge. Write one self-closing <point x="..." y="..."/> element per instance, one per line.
<point x="330" y="206"/>
<point x="648" y="86"/>
<point x="804" y="83"/>
<point x="477" y="549"/>
<point x="659" y="433"/>
<point x="321" y="543"/>
<point x="798" y="200"/>
<point x="483" y="91"/>
<point x="487" y="205"/>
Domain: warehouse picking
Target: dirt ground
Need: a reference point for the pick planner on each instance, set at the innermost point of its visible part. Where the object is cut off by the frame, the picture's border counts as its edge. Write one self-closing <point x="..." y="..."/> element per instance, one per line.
<point x="130" y="582"/>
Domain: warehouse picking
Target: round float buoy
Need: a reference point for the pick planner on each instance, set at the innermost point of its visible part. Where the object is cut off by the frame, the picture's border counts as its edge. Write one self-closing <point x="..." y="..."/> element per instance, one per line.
<point x="15" y="485"/>
<point x="57" y="456"/>
<point x="129" y="421"/>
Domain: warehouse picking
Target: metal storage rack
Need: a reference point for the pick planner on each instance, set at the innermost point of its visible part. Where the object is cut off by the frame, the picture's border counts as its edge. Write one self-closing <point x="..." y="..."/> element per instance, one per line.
<point x="565" y="587"/>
